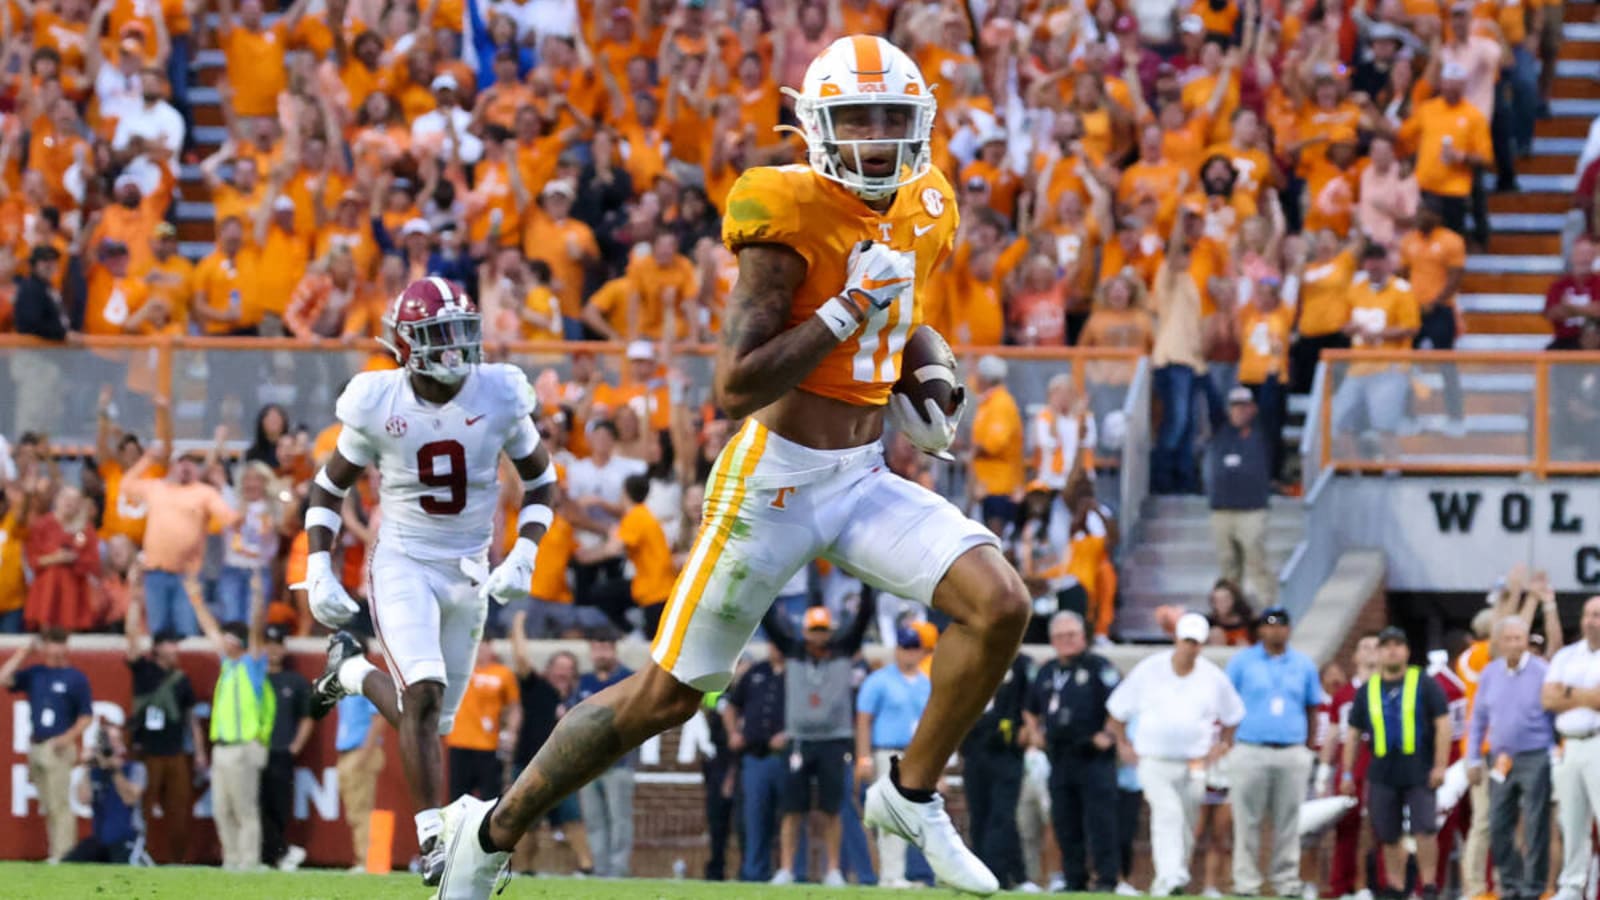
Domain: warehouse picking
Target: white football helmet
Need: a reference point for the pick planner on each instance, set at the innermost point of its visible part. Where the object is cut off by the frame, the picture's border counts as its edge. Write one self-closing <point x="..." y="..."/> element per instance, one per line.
<point x="864" y="70"/>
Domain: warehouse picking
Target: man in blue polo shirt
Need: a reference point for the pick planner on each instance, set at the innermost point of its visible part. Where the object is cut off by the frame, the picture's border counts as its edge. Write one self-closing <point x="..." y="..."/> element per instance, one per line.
<point x="892" y="699"/>
<point x="60" y="709"/>
<point x="1271" y="761"/>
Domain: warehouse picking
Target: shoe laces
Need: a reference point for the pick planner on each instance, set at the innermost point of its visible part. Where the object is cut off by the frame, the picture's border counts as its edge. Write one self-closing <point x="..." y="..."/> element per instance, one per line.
<point x="502" y="877"/>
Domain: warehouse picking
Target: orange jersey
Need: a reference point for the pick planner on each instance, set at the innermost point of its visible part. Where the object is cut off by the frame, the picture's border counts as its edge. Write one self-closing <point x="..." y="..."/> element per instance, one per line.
<point x="491" y="690"/>
<point x="822" y="221"/>
<point x="1429" y="260"/>
<point x="112" y="301"/>
<point x="1435" y="125"/>
<point x="549" y="581"/>
<point x="1264" y="343"/>
<point x="997" y="444"/>
<point x="647" y="549"/>
<point x="1325" y="295"/>
<point x="256" y="68"/>
<point x="122" y="516"/>
<point x="1254" y="167"/>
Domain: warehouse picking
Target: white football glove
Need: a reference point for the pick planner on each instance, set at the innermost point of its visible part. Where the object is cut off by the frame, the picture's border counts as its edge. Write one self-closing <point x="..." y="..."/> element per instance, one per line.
<point x="1323" y="781"/>
<point x="510" y="580"/>
<point x="876" y="276"/>
<point x="929" y="430"/>
<point x="330" y="603"/>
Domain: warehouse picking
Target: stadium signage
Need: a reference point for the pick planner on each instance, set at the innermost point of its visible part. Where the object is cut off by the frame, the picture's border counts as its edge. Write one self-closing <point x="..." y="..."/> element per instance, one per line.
<point x="1461" y="534"/>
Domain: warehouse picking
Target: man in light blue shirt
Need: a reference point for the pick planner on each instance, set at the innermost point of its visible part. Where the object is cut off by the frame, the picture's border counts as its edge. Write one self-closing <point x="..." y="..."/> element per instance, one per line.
<point x="1271" y="762"/>
<point x="891" y="701"/>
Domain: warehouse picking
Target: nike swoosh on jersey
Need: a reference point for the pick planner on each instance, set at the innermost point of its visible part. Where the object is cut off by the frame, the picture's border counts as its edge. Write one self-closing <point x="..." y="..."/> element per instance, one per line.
<point x="473" y="420"/>
<point x="920" y="230"/>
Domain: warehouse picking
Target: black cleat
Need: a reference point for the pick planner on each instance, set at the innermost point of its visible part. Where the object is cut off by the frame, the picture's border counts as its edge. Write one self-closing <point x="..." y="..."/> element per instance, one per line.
<point x="432" y="863"/>
<point x="326" y="690"/>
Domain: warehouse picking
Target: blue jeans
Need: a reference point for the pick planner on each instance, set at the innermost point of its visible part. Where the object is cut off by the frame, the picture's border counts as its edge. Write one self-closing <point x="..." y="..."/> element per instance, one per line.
<point x="761" y="783"/>
<point x="178" y="78"/>
<point x="1172" y="465"/>
<point x="233" y="592"/>
<point x="11" y="622"/>
<point x="854" y="856"/>
<point x="166" y="604"/>
<point x="1218" y="381"/>
<point x="1524" y="76"/>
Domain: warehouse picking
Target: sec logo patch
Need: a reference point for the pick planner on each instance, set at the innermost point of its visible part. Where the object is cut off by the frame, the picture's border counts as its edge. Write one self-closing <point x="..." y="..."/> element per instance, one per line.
<point x="396" y="426"/>
<point x="933" y="201"/>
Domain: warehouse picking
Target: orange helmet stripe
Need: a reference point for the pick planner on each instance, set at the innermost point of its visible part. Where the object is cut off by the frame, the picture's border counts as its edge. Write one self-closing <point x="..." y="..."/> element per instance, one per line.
<point x="869" y="59"/>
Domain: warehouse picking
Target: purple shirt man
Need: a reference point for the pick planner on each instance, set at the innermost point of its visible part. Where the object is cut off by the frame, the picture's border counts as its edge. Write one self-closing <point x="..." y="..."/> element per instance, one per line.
<point x="1508" y="707"/>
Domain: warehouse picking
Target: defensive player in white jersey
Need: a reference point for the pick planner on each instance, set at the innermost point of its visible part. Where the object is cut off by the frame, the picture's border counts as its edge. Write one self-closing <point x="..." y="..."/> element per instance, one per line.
<point x="435" y="428"/>
<point x="832" y="259"/>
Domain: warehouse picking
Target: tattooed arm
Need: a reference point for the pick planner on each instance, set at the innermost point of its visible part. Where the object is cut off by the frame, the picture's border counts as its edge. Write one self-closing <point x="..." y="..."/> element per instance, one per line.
<point x="759" y="360"/>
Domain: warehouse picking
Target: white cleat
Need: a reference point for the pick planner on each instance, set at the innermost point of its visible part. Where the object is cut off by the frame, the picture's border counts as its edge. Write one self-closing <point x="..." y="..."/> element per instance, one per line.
<point x="782" y="876"/>
<point x="292" y="858"/>
<point x="928" y="827"/>
<point x="1125" y="889"/>
<point x="834" y="878"/>
<point x="470" y="873"/>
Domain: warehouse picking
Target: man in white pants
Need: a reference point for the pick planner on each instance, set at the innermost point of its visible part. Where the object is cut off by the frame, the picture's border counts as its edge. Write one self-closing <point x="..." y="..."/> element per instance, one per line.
<point x="1572" y="692"/>
<point x="1179" y="699"/>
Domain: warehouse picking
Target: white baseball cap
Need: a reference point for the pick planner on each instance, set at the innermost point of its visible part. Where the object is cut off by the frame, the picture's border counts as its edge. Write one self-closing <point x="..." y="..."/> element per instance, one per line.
<point x="1193" y="627"/>
<point x="444" y="82"/>
<point x="991" y="366"/>
<point x="641" y="350"/>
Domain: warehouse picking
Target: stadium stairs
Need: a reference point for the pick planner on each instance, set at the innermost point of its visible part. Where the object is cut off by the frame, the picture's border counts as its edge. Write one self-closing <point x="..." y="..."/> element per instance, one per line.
<point x="1503" y="292"/>
<point x="1175" y="561"/>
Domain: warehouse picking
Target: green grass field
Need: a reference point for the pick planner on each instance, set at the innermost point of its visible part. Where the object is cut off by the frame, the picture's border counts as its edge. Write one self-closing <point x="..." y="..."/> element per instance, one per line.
<point x="35" y="881"/>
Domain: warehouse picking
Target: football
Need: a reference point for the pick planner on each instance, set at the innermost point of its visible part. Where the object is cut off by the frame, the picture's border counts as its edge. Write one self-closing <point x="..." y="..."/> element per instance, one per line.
<point x="928" y="371"/>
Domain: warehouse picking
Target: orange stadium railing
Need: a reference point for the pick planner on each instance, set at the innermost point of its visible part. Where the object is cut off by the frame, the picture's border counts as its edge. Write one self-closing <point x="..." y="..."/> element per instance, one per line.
<point x="1535" y="413"/>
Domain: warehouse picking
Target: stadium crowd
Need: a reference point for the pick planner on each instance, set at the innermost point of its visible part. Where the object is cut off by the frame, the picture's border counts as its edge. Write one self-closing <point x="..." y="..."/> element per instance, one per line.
<point x="1228" y="187"/>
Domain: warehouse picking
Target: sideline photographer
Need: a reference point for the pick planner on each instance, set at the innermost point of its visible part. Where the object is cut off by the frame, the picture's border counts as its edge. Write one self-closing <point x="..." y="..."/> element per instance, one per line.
<point x="112" y="787"/>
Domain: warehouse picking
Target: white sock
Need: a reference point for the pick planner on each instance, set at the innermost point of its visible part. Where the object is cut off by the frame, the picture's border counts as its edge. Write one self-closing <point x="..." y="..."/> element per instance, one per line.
<point x="353" y="671"/>
<point x="428" y="825"/>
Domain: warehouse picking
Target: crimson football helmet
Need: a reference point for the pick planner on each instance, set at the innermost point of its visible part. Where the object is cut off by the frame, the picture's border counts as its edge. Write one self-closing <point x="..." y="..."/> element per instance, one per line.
<point x="433" y="328"/>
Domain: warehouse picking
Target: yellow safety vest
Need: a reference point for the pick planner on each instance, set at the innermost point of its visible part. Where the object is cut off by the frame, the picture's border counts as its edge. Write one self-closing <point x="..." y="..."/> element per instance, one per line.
<point x="1408" y="714"/>
<point x="239" y="714"/>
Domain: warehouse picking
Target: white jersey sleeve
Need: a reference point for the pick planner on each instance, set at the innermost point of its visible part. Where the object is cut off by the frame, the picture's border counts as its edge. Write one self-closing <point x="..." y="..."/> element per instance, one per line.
<point x="360" y="396"/>
<point x="521" y="436"/>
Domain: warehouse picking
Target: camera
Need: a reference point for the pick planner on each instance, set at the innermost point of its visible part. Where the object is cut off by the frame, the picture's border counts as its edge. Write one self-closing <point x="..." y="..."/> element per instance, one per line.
<point x="104" y="752"/>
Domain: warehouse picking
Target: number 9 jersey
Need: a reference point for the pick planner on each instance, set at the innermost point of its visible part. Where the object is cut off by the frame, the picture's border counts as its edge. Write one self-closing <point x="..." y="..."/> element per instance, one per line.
<point x="439" y="464"/>
<point x="822" y="221"/>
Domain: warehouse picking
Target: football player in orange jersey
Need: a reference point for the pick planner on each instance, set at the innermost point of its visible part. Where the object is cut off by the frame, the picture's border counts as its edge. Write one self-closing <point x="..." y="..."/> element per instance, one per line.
<point x="831" y="257"/>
